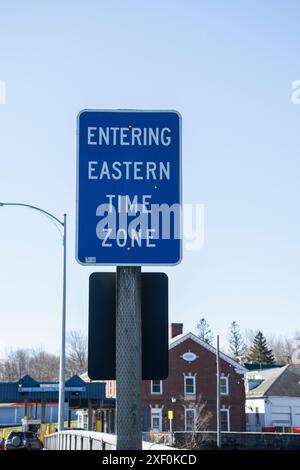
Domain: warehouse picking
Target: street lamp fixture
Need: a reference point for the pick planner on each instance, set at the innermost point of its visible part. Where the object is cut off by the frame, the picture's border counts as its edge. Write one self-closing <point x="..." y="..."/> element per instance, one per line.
<point x="62" y="362"/>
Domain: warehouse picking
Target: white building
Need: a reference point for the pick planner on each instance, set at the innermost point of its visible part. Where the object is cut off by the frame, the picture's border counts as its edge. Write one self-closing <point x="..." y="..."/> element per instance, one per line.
<point x="273" y="399"/>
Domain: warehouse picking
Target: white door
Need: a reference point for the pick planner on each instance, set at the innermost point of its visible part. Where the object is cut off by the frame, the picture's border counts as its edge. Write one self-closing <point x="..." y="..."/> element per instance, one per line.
<point x="156" y="420"/>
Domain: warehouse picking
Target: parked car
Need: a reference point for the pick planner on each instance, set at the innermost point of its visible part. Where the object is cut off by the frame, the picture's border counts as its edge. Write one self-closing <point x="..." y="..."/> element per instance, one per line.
<point x="17" y="440"/>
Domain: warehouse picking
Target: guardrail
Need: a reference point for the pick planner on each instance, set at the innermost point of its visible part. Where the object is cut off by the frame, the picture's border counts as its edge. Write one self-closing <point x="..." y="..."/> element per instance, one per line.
<point x="89" y="440"/>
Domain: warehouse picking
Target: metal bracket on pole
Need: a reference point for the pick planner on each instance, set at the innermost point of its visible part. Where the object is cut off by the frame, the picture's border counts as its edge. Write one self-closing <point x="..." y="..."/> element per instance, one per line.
<point x="128" y="358"/>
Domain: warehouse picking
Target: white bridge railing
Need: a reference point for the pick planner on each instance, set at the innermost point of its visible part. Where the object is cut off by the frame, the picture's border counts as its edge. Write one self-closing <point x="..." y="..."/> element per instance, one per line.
<point x="88" y="440"/>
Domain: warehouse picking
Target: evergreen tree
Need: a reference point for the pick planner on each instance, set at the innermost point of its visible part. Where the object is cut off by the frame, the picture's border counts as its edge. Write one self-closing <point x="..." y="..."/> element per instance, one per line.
<point x="259" y="352"/>
<point x="236" y="341"/>
<point x="204" y="332"/>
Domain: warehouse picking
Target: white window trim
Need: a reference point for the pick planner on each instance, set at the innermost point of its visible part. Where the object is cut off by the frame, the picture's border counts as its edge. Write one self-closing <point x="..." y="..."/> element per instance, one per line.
<point x="161" y="388"/>
<point x="227" y="385"/>
<point x="192" y="394"/>
<point x="228" y="418"/>
<point x="110" y="388"/>
<point x="185" y="416"/>
<point x="157" y="411"/>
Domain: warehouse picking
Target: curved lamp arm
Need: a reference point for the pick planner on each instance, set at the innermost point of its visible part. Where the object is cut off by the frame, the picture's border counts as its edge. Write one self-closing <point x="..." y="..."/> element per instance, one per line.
<point x="33" y="207"/>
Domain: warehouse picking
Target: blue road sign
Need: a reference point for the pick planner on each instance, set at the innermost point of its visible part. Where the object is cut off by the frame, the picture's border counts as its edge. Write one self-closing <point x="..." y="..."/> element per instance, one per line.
<point x="129" y="188"/>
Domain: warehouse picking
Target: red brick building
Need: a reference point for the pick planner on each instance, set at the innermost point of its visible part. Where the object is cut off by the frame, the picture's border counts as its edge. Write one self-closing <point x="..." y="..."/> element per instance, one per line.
<point x="190" y="391"/>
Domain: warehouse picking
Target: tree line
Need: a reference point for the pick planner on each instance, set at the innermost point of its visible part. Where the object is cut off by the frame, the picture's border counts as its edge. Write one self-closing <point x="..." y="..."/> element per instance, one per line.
<point x="44" y="366"/>
<point x="252" y="346"/>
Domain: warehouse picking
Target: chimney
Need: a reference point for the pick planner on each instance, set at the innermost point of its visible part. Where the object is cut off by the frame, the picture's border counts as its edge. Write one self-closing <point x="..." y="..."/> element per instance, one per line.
<point x="175" y="329"/>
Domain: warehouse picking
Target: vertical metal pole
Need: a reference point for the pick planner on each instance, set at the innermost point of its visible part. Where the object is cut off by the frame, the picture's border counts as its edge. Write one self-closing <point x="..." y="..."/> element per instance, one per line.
<point x="62" y="363"/>
<point x="218" y="397"/>
<point x="90" y="416"/>
<point x="43" y="412"/>
<point x="128" y="358"/>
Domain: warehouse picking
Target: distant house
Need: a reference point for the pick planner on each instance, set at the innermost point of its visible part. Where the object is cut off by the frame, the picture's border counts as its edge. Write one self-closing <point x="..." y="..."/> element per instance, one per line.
<point x="273" y="399"/>
<point x="192" y="381"/>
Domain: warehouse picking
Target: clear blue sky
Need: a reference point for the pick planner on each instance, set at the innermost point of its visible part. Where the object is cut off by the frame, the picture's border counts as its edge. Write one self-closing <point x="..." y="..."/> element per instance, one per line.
<point x="227" y="67"/>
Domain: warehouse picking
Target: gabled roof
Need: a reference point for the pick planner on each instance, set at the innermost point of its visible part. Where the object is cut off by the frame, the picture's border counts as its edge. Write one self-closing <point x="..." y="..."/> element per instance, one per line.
<point x="27" y="389"/>
<point x="281" y="381"/>
<point x="75" y="381"/>
<point x="28" y="381"/>
<point x="173" y="342"/>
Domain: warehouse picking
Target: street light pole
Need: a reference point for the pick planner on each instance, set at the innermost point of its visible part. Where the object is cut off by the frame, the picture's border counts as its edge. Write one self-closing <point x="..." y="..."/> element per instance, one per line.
<point x="218" y="396"/>
<point x="62" y="363"/>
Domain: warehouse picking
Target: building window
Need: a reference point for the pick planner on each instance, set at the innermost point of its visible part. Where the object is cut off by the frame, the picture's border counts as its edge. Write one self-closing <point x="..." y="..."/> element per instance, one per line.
<point x="85" y="421"/>
<point x="189" y="385"/>
<point x="225" y="420"/>
<point x="110" y="388"/>
<point x="190" y="414"/>
<point x="224" y="389"/>
<point x="79" y="420"/>
<point x="257" y="419"/>
<point x="82" y="419"/>
<point x="156" y="419"/>
<point x="156" y="387"/>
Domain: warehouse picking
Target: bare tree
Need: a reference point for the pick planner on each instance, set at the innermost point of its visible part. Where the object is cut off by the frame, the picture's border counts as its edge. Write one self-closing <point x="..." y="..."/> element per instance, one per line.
<point x="202" y="420"/>
<point x="15" y="364"/>
<point x="37" y="363"/>
<point x="296" y="335"/>
<point x="76" y="362"/>
<point x="44" y="366"/>
<point x="282" y="349"/>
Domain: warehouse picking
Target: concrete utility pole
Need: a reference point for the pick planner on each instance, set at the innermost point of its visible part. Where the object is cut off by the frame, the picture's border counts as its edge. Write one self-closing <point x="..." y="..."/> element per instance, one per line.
<point x="218" y="397"/>
<point x="128" y="358"/>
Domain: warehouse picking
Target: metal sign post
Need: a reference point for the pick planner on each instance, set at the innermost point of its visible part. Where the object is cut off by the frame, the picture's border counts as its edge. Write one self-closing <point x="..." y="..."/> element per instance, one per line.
<point x="129" y="358"/>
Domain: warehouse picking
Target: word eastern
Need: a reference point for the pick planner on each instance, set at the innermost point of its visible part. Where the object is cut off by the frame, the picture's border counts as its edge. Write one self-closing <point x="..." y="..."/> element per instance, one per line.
<point x="128" y="170"/>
